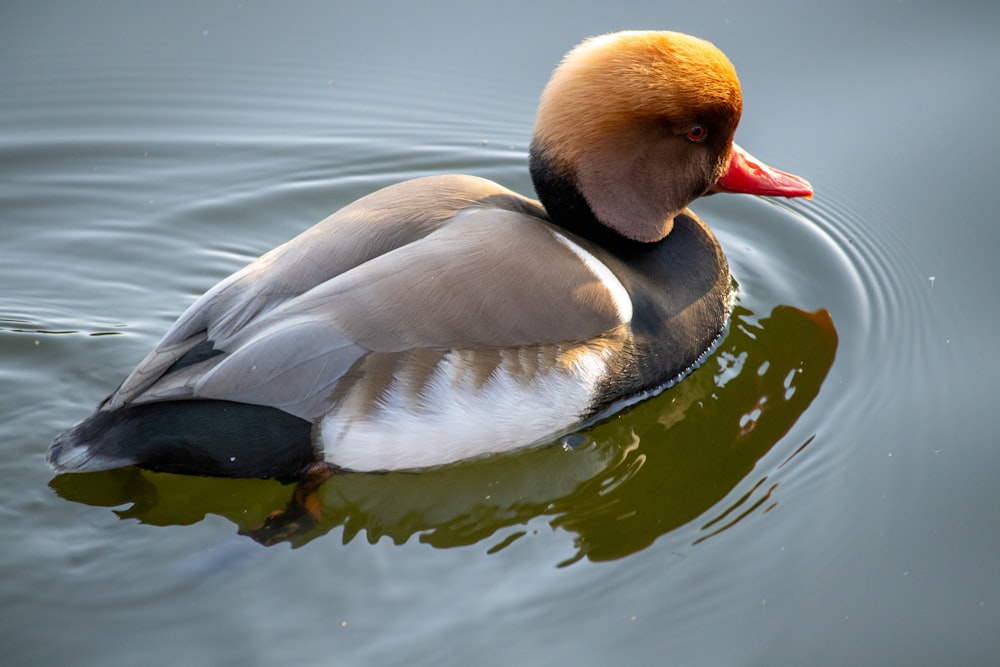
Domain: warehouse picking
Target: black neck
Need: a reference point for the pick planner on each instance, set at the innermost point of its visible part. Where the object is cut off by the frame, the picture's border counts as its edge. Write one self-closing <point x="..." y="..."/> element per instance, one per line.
<point x="568" y="208"/>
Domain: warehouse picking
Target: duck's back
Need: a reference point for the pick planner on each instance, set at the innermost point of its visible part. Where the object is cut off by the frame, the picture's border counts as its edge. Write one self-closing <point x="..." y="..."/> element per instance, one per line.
<point x="431" y="321"/>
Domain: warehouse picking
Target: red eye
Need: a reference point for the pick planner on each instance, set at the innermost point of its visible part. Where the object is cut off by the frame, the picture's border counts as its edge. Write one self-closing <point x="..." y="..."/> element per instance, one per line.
<point x="697" y="133"/>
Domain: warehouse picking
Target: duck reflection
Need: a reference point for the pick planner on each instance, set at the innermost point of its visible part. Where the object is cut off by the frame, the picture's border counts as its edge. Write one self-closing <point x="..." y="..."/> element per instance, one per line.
<point x="616" y="486"/>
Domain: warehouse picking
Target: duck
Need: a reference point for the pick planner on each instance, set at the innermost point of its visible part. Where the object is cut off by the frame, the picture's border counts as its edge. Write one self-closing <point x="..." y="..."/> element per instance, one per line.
<point x="448" y="317"/>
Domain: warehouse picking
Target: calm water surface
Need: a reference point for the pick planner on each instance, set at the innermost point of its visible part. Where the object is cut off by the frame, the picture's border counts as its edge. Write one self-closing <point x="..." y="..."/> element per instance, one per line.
<point x="821" y="491"/>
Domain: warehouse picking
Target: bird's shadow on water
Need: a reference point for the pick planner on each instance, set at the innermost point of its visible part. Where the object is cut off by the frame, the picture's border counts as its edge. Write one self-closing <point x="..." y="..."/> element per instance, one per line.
<point x="616" y="486"/>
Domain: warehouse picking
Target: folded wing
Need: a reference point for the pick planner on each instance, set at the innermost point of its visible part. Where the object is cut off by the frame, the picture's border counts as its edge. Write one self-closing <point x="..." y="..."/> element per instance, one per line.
<point x="440" y="263"/>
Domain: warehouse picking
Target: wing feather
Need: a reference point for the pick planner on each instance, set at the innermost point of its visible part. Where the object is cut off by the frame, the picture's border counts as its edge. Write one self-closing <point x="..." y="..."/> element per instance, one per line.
<point x="440" y="263"/>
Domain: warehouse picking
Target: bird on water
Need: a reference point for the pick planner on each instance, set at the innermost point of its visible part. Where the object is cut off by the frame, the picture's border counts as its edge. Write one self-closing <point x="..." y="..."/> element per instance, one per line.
<point x="448" y="317"/>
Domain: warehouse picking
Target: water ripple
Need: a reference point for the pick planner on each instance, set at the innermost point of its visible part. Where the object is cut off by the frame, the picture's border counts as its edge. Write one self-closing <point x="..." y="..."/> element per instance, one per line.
<point x="889" y="299"/>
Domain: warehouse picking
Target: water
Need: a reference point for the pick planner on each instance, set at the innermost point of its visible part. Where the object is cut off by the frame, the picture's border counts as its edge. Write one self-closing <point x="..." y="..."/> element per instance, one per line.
<point x="820" y="491"/>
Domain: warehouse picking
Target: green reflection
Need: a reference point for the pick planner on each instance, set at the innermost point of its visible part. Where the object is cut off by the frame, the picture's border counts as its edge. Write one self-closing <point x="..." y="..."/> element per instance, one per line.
<point x="616" y="487"/>
<point x="693" y="444"/>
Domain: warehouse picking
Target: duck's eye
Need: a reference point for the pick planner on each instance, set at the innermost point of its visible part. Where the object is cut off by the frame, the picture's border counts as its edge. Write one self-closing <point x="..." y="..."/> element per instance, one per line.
<point x="697" y="133"/>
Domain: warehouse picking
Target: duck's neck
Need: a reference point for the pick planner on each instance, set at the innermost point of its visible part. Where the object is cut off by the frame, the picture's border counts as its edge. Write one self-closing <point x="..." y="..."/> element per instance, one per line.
<point x="568" y="208"/>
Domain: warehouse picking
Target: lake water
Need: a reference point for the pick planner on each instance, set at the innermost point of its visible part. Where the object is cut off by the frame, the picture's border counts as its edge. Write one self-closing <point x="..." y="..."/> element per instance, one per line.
<point x="823" y="490"/>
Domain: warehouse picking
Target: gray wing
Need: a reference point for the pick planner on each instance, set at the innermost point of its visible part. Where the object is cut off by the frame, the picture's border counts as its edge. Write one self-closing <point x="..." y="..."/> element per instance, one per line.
<point x="466" y="276"/>
<point x="367" y="228"/>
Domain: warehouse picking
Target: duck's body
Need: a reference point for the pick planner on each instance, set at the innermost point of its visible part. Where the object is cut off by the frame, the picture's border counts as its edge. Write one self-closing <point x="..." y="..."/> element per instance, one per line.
<point x="448" y="317"/>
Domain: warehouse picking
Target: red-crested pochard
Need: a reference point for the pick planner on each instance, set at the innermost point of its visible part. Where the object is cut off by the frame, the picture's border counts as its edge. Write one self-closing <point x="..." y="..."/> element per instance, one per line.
<point x="447" y="317"/>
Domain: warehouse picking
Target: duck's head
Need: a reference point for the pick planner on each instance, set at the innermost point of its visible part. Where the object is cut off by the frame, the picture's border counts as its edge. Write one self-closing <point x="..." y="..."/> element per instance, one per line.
<point x="639" y="124"/>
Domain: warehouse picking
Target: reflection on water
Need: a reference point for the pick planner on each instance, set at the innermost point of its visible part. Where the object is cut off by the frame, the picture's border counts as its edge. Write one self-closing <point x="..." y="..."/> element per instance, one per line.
<point x="621" y="485"/>
<point x="695" y="443"/>
<point x="150" y="149"/>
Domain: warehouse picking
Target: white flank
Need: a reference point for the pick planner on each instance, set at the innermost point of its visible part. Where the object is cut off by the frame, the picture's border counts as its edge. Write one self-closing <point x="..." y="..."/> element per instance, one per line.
<point x="614" y="286"/>
<point x="454" y="420"/>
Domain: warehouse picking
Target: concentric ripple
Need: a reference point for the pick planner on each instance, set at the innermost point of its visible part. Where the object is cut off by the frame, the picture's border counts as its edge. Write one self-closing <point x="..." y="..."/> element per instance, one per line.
<point x="884" y="297"/>
<point x="822" y="290"/>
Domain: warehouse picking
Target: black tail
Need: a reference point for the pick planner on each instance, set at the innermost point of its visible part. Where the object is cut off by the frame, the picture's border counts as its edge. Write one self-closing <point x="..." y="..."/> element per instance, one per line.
<point x="215" y="438"/>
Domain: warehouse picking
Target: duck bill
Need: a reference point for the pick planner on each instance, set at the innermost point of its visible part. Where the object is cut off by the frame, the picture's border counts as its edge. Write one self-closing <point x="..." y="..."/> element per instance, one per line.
<point x="749" y="175"/>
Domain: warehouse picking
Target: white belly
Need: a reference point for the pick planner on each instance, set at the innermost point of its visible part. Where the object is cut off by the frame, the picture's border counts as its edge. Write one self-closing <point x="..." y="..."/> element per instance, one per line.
<point x="456" y="416"/>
